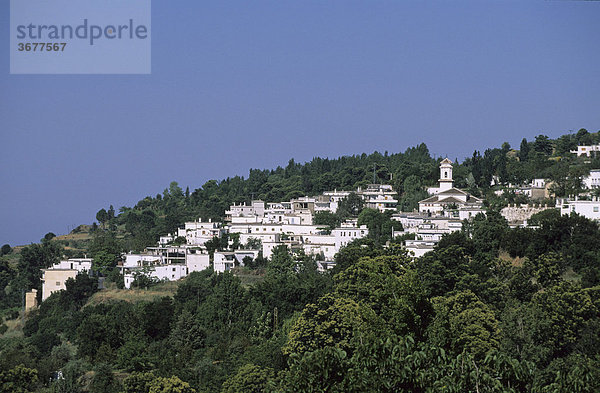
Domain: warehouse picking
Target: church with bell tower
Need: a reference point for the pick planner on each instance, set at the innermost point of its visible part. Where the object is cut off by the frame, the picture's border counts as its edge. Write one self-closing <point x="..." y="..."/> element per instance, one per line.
<point x="448" y="199"/>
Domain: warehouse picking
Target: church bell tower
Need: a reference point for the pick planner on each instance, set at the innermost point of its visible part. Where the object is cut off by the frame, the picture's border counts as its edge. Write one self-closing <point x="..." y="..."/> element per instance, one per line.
<point x="446" y="181"/>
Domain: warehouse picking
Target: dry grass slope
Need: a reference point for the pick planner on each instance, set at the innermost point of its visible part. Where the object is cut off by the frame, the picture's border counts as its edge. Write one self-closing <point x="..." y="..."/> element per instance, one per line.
<point x="135" y="295"/>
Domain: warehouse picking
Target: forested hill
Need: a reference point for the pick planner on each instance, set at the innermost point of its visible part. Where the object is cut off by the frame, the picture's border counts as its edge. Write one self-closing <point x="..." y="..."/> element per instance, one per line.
<point x="408" y="172"/>
<point x="490" y="309"/>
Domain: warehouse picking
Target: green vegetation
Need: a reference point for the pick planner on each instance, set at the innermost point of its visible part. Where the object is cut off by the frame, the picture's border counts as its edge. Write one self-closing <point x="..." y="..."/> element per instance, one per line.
<point x="490" y="309"/>
<point x="457" y="319"/>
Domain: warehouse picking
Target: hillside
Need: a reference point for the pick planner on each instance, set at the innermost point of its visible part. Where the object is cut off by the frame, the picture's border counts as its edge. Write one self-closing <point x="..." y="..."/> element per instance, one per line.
<point x="490" y="308"/>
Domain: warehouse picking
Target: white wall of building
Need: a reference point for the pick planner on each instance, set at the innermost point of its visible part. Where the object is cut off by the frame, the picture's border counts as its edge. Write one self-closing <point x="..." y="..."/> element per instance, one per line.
<point x="592" y="180"/>
<point x="197" y="262"/>
<point x="588" y="209"/>
<point x="140" y="260"/>
<point x="79" y="264"/>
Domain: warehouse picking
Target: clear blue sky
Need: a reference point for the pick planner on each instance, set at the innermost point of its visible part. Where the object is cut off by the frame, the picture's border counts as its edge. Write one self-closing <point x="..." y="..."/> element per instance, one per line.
<point x="239" y="85"/>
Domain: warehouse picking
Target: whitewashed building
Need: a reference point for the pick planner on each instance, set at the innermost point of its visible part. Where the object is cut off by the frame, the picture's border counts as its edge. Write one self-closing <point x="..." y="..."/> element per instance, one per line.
<point x="586" y="208"/>
<point x="79" y="264"/>
<point x="586" y="150"/>
<point x="592" y="180"/>
<point x="225" y="261"/>
<point x="379" y="196"/>
<point x="245" y="213"/>
<point x="163" y="263"/>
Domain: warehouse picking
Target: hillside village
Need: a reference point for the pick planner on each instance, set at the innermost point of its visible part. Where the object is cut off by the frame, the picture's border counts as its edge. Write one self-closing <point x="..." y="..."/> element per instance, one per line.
<point x="257" y="228"/>
<point x="294" y="275"/>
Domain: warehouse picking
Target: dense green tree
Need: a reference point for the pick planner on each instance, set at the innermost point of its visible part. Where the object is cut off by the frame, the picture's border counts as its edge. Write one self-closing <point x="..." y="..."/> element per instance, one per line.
<point x="35" y="257"/>
<point x="464" y="323"/>
<point x="104" y="380"/>
<point x="78" y="291"/>
<point x="6" y="249"/>
<point x="524" y="150"/>
<point x="556" y="319"/>
<point x="331" y="322"/>
<point x="355" y="250"/>
<point x="102" y="217"/>
<point x="249" y="378"/>
<point x="138" y="382"/>
<point x="105" y="250"/>
<point x="380" y="224"/>
<point x="326" y="219"/>
<point x="394" y="293"/>
<point x="350" y="206"/>
<point x="19" y="379"/>
<point x="170" y="385"/>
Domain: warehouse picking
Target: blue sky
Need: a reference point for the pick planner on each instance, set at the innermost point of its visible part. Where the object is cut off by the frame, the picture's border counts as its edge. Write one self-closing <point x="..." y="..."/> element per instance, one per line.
<point x="238" y="85"/>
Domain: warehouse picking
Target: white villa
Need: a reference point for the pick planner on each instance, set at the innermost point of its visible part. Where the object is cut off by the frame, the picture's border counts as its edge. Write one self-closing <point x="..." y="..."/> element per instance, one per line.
<point x="379" y="196"/>
<point x="592" y="180"/>
<point x="586" y="150"/>
<point x="164" y="263"/>
<point x="586" y="208"/>
<point x="225" y="261"/>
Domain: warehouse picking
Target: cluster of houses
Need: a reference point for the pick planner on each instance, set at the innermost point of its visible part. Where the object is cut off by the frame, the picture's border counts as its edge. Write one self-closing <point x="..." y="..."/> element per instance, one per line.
<point x="258" y="227"/>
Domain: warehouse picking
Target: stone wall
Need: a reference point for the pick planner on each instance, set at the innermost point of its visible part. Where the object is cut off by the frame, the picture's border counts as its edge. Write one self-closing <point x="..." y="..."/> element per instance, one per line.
<point x="520" y="213"/>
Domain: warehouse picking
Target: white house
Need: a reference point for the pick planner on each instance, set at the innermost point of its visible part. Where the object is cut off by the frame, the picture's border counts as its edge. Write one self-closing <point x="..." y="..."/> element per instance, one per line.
<point x="164" y="265"/>
<point x="140" y="260"/>
<point x="586" y="150"/>
<point x="54" y="279"/>
<point x="197" y="262"/>
<point x="592" y="180"/>
<point x="255" y="209"/>
<point x="418" y="248"/>
<point x="589" y="209"/>
<point x="79" y="264"/>
<point x="197" y="233"/>
<point x="347" y="233"/>
<point x="225" y="261"/>
<point x="380" y="197"/>
<point x="171" y="272"/>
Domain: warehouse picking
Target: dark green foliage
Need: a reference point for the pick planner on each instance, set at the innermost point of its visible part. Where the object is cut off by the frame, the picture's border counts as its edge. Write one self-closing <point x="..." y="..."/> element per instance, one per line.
<point x="290" y="283"/>
<point x="193" y="291"/>
<point x="34" y="258"/>
<point x="491" y="309"/>
<point x="78" y="291"/>
<point x="19" y="379"/>
<point x="380" y="225"/>
<point x="249" y="378"/>
<point x="350" y="206"/>
<point x="10" y="293"/>
<point x="326" y="219"/>
<point x="411" y="193"/>
<point x="6" y="249"/>
<point x="104" y="380"/>
<point x="355" y="250"/>
<point x="155" y="317"/>
<point x="106" y="251"/>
